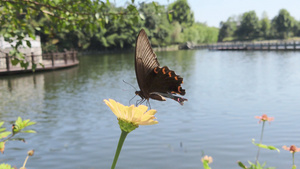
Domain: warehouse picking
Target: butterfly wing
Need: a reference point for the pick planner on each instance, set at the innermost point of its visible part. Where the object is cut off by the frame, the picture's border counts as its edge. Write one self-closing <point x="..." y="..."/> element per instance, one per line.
<point x="166" y="84"/>
<point x="155" y="82"/>
<point x="145" y="61"/>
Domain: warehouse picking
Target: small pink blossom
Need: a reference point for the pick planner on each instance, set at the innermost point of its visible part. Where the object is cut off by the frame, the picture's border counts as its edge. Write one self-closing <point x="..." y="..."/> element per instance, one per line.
<point x="292" y="148"/>
<point x="264" y="117"/>
<point x="208" y="159"/>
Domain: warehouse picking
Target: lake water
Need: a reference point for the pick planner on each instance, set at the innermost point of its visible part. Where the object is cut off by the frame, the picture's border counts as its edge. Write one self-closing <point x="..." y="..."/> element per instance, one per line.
<point x="225" y="90"/>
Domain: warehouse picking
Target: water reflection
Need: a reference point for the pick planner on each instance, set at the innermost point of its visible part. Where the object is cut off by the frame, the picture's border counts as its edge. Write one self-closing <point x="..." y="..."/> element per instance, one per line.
<point x="225" y="91"/>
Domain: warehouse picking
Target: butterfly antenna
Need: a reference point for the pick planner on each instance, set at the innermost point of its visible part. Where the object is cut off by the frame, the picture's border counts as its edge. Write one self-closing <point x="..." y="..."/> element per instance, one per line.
<point x="130" y="85"/>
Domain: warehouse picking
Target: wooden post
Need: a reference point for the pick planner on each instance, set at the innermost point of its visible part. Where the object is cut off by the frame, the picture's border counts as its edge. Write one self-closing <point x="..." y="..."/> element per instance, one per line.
<point x="52" y="59"/>
<point x="285" y="46"/>
<point x="269" y="46"/>
<point x="261" y="46"/>
<point x="65" y="57"/>
<point x="32" y="58"/>
<point x="294" y="45"/>
<point x="276" y="46"/>
<point x="7" y="62"/>
<point x="73" y="56"/>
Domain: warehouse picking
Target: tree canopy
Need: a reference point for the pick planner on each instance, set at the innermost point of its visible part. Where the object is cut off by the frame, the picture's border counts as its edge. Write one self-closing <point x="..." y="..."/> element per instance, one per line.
<point x="94" y="24"/>
<point x="250" y="27"/>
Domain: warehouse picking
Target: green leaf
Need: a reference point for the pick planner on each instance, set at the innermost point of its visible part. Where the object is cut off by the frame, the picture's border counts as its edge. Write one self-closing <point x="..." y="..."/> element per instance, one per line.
<point x="2" y="147"/>
<point x="2" y="129"/>
<point x="20" y="56"/>
<point x="15" y="61"/>
<point x="28" y="43"/>
<point x="205" y="165"/>
<point x="241" y="165"/>
<point x="155" y="6"/>
<point x="28" y="131"/>
<point x="30" y="123"/>
<point x="265" y="146"/>
<point x="1" y="123"/>
<point x="142" y="16"/>
<point x="170" y="17"/>
<point x="107" y="2"/>
<point x="41" y="64"/>
<point x="24" y="64"/>
<point x="5" y="134"/>
<point x="294" y="167"/>
<point x="33" y="67"/>
<point x="106" y="19"/>
<point x="5" y="166"/>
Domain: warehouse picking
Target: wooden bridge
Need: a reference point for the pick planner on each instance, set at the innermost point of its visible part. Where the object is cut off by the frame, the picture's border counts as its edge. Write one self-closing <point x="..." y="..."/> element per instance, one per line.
<point x="271" y="45"/>
<point x="49" y="61"/>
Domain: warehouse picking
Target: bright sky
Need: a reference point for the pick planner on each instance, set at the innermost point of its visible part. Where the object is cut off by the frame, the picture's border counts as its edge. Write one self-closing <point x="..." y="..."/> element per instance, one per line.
<point x="212" y="12"/>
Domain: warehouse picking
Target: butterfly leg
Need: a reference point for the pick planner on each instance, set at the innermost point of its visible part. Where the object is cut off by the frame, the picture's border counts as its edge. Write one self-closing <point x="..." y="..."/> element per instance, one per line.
<point x="139" y="102"/>
<point x="148" y="103"/>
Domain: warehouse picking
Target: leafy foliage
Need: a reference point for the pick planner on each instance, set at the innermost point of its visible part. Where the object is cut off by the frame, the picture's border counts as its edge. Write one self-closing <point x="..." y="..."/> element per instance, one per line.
<point x="17" y="127"/>
<point x="254" y="166"/>
<point x="283" y="23"/>
<point x="6" y="166"/>
<point x="249" y="27"/>
<point x="227" y="29"/>
<point x="97" y="25"/>
<point x="265" y="146"/>
<point x="180" y="11"/>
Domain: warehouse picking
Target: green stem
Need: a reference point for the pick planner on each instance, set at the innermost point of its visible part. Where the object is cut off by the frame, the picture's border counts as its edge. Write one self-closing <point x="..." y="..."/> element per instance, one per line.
<point x="261" y="136"/>
<point x="119" y="148"/>
<point x="293" y="159"/>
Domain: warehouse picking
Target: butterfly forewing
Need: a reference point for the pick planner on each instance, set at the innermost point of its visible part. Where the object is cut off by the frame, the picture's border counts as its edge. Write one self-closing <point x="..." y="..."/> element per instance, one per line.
<point x="145" y="60"/>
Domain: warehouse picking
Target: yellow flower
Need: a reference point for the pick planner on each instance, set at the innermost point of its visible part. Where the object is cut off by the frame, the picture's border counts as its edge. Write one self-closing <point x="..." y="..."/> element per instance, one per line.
<point x="130" y="114"/>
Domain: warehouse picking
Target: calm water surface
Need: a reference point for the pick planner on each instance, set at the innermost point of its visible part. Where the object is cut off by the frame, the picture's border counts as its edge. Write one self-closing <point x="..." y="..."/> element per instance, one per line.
<point x="225" y="91"/>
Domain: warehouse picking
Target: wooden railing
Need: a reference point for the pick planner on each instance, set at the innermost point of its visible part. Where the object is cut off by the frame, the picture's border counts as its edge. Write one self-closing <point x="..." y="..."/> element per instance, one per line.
<point x="48" y="59"/>
<point x="264" y="45"/>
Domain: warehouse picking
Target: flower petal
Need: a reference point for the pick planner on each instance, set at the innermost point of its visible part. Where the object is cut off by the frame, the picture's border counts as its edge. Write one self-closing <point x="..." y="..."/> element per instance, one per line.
<point x="112" y="105"/>
<point x="142" y="108"/>
<point x="132" y="115"/>
<point x="258" y="117"/>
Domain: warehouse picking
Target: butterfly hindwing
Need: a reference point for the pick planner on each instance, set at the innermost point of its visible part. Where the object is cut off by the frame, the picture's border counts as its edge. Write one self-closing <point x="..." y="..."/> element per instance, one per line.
<point x="166" y="81"/>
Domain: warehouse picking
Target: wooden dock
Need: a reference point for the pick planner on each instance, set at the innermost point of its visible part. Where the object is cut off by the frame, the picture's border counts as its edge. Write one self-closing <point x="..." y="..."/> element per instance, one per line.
<point x="237" y="46"/>
<point x="50" y="61"/>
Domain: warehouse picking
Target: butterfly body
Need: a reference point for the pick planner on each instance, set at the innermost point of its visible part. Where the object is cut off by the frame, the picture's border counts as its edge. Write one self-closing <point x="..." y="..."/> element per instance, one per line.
<point x="155" y="82"/>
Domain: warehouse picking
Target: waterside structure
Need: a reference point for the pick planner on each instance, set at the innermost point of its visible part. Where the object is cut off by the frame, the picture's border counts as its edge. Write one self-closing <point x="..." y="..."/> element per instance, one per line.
<point x="34" y="56"/>
<point x="259" y="45"/>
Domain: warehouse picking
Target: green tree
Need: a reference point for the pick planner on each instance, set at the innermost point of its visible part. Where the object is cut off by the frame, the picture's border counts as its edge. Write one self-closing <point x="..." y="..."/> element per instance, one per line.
<point x="56" y="20"/>
<point x="181" y="12"/>
<point x="265" y="26"/>
<point x="249" y="26"/>
<point x="296" y="28"/>
<point x="156" y="23"/>
<point x="283" y="23"/>
<point x="201" y="33"/>
<point x="227" y="29"/>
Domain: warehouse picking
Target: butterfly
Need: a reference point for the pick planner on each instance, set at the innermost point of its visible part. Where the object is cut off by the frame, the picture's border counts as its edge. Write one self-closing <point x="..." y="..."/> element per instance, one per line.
<point x="155" y="82"/>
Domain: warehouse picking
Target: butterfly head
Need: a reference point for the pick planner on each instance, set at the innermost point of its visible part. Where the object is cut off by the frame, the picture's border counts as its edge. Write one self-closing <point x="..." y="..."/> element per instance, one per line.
<point x="140" y="94"/>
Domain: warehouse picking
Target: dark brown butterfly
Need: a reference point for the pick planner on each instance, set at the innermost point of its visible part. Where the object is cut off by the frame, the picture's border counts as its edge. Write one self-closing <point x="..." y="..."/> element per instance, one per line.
<point x="155" y="82"/>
